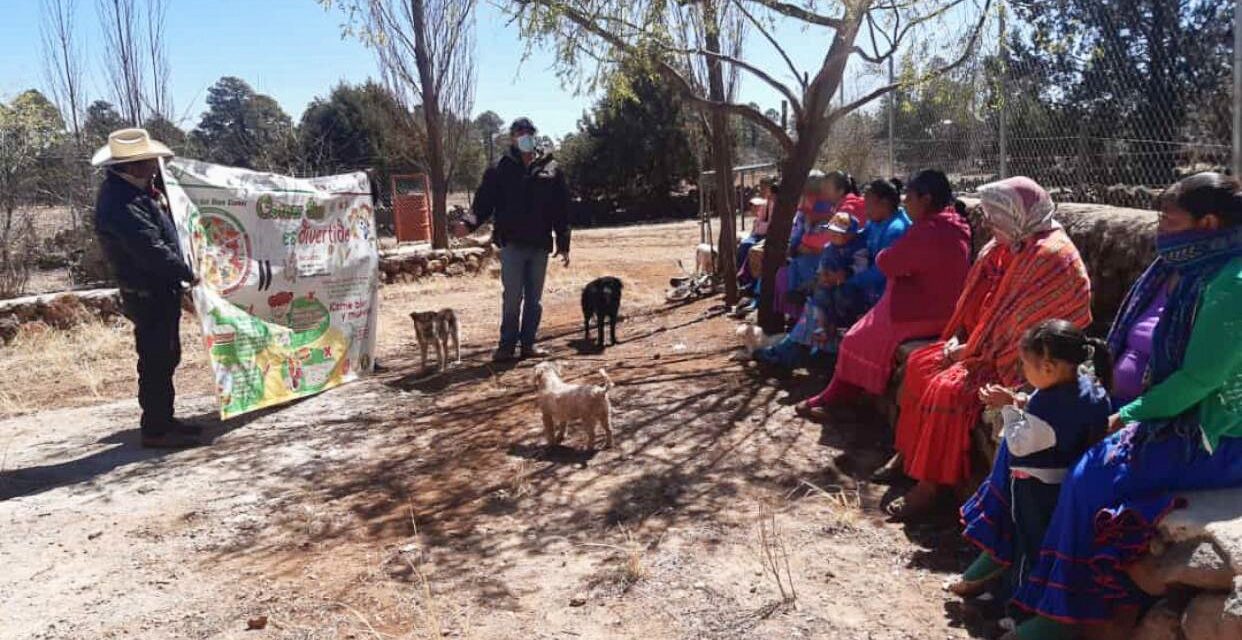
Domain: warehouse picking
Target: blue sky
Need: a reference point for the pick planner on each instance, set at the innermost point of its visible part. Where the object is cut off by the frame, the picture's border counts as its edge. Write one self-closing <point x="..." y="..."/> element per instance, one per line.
<point x="293" y="51"/>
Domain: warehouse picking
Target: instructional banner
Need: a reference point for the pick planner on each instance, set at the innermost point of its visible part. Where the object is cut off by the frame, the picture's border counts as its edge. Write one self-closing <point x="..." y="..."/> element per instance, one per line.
<point x="289" y="271"/>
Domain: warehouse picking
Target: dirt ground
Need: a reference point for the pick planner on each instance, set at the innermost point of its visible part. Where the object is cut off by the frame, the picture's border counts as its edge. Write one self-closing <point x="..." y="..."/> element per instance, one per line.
<point x="417" y="506"/>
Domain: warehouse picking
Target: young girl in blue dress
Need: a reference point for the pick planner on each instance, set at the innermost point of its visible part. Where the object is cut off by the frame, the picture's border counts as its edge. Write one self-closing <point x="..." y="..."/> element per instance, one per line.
<point x="1044" y="436"/>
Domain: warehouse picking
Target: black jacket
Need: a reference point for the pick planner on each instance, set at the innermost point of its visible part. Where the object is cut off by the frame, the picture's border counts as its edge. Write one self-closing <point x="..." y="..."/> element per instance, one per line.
<point x="139" y="239"/>
<point x="529" y="203"/>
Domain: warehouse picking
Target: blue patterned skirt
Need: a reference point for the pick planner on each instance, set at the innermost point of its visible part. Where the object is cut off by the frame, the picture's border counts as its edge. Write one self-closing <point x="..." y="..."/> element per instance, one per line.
<point x="1105" y="518"/>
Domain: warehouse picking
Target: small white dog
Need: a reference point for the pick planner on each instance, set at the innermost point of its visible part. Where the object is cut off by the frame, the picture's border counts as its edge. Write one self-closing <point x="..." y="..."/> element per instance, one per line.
<point x="753" y="338"/>
<point x="562" y="403"/>
<point x="704" y="259"/>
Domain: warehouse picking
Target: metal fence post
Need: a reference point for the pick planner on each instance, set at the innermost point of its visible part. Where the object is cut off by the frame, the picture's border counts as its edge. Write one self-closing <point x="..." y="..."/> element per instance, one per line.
<point x="1004" y="105"/>
<point x="1237" y="88"/>
<point x="892" y="117"/>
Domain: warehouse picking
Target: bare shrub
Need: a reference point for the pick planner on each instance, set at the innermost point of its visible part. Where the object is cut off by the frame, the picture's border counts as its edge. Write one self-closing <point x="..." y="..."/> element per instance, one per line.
<point x="774" y="555"/>
<point x="19" y="248"/>
<point x="432" y="623"/>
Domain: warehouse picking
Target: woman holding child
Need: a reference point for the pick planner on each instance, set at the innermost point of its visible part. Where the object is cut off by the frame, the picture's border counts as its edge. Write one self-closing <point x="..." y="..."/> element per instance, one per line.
<point x="1030" y="272"/>
<point x="918" y="271"/>
<point x="1178" y="380"/>
<point x="849" y="282"/>
<point x="833" y="193"/>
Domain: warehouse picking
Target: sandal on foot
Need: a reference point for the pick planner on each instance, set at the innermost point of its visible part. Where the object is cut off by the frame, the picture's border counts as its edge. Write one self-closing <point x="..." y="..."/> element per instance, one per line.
<point x="972" y="588"/>
<point x="806" y="410"/>
<point x="974" y="581"/>
<point x="892" y="470"/>
<point x="903" y="510"/>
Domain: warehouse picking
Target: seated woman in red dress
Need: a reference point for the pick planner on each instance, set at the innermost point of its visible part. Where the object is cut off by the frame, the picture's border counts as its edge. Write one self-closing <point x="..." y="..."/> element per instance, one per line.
<point x="1030" y="272"/>
<point x="924" y="270"/>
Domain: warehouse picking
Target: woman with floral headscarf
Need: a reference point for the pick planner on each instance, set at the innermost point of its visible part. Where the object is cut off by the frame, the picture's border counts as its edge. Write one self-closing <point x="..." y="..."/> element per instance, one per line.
<point x="1030" y="272"/>
<point x="1176" y="342"/>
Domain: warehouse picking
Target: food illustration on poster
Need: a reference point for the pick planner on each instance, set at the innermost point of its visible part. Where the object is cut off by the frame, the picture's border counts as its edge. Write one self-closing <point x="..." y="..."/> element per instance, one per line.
<point x="290" y="279"/>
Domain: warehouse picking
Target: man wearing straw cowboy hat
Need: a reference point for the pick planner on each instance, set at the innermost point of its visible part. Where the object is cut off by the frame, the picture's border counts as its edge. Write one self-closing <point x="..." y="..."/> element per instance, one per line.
<point x="137" y="234"/>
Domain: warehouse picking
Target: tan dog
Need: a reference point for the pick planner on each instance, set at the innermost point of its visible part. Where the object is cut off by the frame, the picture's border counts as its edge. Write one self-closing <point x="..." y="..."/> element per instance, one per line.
<point x="437" y="328"/>
<point x="562" y="403"/>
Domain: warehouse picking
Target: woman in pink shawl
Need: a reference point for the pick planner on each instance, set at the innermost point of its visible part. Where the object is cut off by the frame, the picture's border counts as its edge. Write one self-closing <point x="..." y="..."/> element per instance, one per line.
<point x="925" y="272"/>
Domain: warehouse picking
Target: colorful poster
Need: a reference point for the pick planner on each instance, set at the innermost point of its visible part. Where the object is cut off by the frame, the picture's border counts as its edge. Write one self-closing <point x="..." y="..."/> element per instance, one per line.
<point x="289" y="271"/>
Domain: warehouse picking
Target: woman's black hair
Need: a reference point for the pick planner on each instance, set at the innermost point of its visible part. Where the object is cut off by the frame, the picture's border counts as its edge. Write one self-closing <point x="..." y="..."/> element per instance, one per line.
<point x="1207" y="193"/>
<point x="843" y="181"/>
<point x="931" y="182"/>
<point x="1060" y="340"/>
<point x="887" y="190"/>
<point x="773" y="184"/>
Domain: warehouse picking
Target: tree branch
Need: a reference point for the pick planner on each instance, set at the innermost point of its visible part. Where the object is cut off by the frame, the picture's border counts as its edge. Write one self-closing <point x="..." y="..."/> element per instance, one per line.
<point x="670" y="73"/>
<point x="771" y="40"/>
<point x="794" y="101"/>
<point x="798" y="13"/>
<point x="900" y="32"/>
<point x="966" y="52"/>
<point x="745" y="111"/>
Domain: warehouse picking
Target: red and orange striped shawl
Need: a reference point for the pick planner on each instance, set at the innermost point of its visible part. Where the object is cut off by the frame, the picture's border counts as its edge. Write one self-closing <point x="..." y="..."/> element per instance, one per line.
<point x="1046" y="279"/>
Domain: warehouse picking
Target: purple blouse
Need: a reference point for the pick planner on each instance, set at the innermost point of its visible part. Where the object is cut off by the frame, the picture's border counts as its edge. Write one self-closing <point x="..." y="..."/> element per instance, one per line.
<point x="1131" y="365"/>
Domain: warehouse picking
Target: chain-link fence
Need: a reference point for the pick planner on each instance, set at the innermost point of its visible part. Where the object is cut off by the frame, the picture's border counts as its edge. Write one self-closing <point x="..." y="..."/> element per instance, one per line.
<point x="1099" y="101"/>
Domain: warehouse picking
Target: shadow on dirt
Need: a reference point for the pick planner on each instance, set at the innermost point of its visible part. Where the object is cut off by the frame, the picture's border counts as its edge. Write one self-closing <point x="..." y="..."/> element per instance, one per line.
<point x="127" y="453"/>
<point x="586" y="347"/>
<point x="556" y="454"/>
<point x="697" y="435"/>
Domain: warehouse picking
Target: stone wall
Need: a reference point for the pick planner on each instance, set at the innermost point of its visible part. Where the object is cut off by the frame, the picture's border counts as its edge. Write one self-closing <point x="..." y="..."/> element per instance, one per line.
<point x="1195" y="567"/>
<point x="58" y="310"/>
<point x="411" y="263"/>
<point x="68" y="309"/>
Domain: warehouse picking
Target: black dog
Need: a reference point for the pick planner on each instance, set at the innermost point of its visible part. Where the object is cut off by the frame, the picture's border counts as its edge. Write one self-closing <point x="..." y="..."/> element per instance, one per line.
<point x="601" y="298"/>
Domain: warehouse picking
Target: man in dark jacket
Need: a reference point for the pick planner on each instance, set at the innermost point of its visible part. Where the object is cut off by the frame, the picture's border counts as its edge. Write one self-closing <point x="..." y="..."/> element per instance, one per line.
<point x="525" y="194"/>
<point x="137" y="234"/>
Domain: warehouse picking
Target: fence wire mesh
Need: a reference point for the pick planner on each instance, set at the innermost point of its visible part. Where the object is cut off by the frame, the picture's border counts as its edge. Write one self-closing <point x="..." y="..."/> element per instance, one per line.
<point x="1103" y="101"/>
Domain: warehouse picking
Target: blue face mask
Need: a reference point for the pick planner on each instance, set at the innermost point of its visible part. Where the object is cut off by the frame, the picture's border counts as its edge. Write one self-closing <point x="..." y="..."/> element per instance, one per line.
<point x="526" y="144"/>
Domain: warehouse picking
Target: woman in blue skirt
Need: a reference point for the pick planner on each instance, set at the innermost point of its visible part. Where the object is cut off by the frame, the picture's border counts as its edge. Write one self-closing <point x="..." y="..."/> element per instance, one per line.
<point x="1176" y="347"/>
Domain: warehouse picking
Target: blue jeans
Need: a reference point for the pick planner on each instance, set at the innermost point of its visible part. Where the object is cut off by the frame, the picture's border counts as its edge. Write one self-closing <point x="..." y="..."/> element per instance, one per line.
<point x="522" y="271"/>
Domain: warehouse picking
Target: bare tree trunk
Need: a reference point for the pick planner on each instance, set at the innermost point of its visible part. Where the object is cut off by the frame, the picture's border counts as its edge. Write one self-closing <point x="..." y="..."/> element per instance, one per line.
<point x="62" y="61"/>
<point x="794" y="170"/>
<point x="722" y="157"/>
<point x="124" y="66"/>
<point x="63" y="67"/>
<point x="160" y="101"/>
<point x="435" y="129"/>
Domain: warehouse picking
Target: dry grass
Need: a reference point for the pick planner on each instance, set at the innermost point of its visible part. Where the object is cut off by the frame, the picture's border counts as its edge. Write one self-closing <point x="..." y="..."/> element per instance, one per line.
<point x="844" y="506"/>
<point x="80" y="362"/>
<point x="520" y="483"/>
<point x="773" y="555"/>
<point x="432" y="622"/>
<point x="633" y="568"/>
<point x="632" y="556"/>
<point x="72" y="368"/>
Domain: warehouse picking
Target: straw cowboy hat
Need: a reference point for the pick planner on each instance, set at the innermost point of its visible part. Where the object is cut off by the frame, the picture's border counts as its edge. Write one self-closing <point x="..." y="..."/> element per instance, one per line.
<point x="129" y="145"/>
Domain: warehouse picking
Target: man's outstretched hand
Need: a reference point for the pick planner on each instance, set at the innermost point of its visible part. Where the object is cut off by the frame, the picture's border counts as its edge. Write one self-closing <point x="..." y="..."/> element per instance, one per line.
<point x="564" y="256"/>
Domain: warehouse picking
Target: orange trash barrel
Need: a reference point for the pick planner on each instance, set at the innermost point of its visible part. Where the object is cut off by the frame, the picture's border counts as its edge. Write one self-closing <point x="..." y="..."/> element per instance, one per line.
<point x="411" y="207"/>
